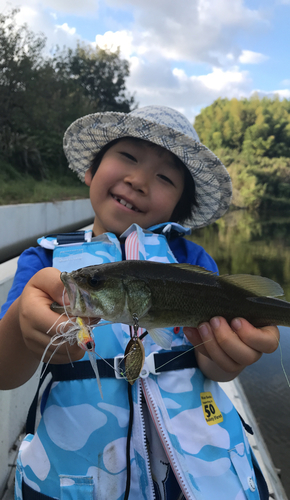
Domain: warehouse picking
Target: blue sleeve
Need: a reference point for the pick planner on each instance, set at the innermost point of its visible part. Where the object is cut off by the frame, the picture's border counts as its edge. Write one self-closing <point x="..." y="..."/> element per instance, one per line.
<point x="186" y="251"/>
<point x="30" y="261"/>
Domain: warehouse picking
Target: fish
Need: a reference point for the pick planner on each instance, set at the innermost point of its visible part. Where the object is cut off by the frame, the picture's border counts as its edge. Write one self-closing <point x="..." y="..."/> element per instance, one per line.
<point x="171" y="295"/>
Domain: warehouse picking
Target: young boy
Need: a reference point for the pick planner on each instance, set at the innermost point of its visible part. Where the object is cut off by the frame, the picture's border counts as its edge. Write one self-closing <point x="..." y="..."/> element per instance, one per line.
<point x="175" y="435"/>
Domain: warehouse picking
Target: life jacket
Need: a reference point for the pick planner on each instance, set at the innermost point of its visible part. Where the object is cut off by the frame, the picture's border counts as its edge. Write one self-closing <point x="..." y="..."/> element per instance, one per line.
<point x="79" y="449"/>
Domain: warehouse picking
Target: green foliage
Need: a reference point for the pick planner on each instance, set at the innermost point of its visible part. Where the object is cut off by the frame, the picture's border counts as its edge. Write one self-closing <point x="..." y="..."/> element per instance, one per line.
<point x="101" y="76"/>
<point x="256" y="127"/>
<point x="252" y="138"/>
<point x="247" y="191"/>
<point x="274" y="173"/>
<point x="40" y="96"/>
<point x="15" y="188"/>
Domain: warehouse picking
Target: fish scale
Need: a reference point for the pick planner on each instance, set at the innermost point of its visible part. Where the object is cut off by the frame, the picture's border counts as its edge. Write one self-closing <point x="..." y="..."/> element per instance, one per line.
<point x="191" y="304"/>
<point x="166" y="295"/>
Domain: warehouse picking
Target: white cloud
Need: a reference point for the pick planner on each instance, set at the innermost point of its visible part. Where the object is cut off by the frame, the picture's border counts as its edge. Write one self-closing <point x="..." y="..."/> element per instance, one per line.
<point x="65" y="6"/>
<point x="41" y="21"/>
<point x="218" y="80"/>
<point x="154" y="81"/>
<point x="113" y="41"/>
<point x="286" y="82"/>
<point x="73" y="7"/>
<point x="282" y="94"/>
<point x="27" y="14"/>
<point x="250" y="57"/>
<point x="65" y="27"/>
<point x="163" y="40"/>
<point x="157" y="83"/>
<point x="191" y="30"/>
<point x="199" y="31"/>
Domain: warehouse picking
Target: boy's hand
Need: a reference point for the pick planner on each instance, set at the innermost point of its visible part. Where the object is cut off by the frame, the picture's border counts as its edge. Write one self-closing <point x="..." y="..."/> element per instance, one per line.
<point x="36" y="318"/>
<point x="227" y="349"/>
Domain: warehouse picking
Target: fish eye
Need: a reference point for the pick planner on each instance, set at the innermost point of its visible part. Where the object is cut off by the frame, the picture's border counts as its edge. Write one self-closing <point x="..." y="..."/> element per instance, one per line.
<point x="93" y="282"/>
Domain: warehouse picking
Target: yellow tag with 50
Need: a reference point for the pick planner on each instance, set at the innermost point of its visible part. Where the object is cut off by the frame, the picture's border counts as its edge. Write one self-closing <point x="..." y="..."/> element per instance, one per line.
<point x="211" y="412"/>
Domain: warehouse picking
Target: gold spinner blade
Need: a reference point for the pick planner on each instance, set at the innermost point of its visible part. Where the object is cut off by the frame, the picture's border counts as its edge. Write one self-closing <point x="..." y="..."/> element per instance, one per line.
<point x="134" y="359"/>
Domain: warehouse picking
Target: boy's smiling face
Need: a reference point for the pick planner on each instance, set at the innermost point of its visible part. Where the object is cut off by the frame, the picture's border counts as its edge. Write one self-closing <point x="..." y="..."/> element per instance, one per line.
<point x="135" y="183"/>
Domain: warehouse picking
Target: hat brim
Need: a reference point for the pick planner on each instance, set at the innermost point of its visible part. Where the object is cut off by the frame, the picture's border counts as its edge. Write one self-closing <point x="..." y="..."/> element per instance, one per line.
<point x="89" y="134"/>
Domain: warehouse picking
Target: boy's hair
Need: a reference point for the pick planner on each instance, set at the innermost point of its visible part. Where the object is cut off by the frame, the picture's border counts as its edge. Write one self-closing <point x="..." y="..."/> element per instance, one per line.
<point x="185" y="206"/>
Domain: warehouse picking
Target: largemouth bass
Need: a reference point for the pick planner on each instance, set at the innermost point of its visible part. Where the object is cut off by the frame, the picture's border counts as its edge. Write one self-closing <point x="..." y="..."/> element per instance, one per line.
<point x="166" y="295"/>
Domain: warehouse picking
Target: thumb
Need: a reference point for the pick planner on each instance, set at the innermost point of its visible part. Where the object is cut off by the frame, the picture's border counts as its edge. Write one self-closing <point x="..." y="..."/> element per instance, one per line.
<point x="49" y="284"/>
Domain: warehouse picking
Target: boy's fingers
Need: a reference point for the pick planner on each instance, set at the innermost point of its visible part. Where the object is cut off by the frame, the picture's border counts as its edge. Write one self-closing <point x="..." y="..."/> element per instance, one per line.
<point x="222" y="345"/>
<point x="264" y="340"/>
<point x="241" y="342"/>
<point x="192" y="334"/>
<point x="48" y="281"/>
<point x="205" y="343"/>
<point x="39" y="323"/>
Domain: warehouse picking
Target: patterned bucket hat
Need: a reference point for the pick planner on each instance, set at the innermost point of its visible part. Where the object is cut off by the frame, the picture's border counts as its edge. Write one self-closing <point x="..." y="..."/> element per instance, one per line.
<point x="165" y="127"/>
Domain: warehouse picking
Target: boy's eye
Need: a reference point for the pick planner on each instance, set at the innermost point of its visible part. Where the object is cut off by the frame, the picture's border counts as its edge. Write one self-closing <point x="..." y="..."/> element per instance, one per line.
<point x="128" y="156"/>
<point x="165" y="178"/>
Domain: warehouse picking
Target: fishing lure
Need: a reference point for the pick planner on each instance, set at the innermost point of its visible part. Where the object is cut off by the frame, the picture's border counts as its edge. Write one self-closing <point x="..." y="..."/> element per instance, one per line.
<point x="71" y="331"/>
<point x="85" y="338"/>
<point x="134" y="355"/>
<point x="134" y="359"/>
<point x="85" y="341"/>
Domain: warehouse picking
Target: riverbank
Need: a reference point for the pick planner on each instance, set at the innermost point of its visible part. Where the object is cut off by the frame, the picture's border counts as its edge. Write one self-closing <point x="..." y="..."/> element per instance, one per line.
<point x="26" y="189"/>
<point x="22" y="224"/>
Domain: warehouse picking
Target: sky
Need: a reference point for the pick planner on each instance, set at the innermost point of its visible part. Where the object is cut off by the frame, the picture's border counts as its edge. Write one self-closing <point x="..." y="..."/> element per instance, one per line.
<point x="182" y="53"/>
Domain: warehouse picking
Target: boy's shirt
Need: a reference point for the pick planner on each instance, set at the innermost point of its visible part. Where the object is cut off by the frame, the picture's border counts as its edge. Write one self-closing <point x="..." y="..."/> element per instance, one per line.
<point x="34" y="259"/>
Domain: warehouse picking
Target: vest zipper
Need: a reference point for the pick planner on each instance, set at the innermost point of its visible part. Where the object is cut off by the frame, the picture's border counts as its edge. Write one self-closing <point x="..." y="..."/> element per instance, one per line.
<point x="150" y="480"/>
<point x="155" y="414"/>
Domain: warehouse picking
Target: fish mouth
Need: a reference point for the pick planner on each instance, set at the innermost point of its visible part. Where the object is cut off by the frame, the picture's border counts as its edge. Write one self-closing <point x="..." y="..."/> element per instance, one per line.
<point x="125" y="203"/>
<point x="80" y="301"/>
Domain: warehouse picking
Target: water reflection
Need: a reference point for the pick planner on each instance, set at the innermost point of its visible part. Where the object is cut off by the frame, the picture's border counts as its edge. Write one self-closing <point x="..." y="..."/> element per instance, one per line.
<point x="246" y="243"/>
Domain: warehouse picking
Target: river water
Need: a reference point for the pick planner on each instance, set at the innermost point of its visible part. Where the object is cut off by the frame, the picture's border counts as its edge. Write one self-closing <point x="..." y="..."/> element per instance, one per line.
<point x="246" y="243"/>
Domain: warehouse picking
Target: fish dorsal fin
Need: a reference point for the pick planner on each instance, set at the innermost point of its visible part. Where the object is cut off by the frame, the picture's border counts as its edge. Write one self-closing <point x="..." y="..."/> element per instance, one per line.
<point x="256" y="285"/>
<point x="193" y="268"/>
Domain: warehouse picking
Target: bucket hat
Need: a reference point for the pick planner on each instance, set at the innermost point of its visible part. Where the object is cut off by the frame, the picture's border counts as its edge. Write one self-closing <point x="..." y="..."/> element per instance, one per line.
<point x="167" y="128"/>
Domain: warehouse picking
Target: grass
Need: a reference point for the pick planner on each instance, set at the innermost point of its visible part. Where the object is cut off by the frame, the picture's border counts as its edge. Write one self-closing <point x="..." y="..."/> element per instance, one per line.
<point x="29" y="190"/>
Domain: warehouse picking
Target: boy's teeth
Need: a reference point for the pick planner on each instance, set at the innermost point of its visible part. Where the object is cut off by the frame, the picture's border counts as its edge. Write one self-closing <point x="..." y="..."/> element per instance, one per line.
<point x="123" y="202"/>
<point x="128" y="205"/>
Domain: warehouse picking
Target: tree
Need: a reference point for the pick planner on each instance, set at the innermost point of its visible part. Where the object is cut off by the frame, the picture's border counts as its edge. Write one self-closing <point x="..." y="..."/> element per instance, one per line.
<point x="256" y="127"/>
<point x="252" y="138"/>
<point x="40" y="96"/>
<point x="20" y="59"/>
<point x="101" y="74"/>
